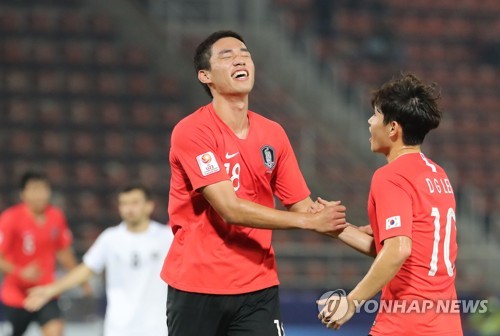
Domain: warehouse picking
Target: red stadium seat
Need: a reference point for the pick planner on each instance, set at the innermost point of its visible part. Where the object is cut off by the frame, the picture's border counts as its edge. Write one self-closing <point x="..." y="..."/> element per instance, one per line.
<point x="78" y="83"/>
<point x="72" y="23"/>
<point x="83" y="144"/>
<point x="42" y="21"/>
<point x="20" y="111"/>
<point x="81" y="113"/>
<point x="49" y="81"/>
<point x="76" y="53"/>
<point x="109" y="84"/>
<point x="12" y="21"/>
<point x="105" y="54"/>
<point x="18" y="81"/>
<point x="14" y="51"/>
<point x="139" y="85"/>
<point x="101" y="25"/>
<point x="51" y="112"/>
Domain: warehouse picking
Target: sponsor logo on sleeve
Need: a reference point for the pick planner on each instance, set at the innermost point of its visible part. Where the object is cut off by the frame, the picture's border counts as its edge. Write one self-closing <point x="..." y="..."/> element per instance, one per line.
<point x="207" y="163"/>
<point x="392" y="222"/>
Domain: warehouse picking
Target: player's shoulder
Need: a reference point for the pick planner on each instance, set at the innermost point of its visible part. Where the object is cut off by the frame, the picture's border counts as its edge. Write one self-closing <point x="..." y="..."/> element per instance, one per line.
<point x="194" y="120"/>
<point x="387" y="174"/>
<point x="13" y="213"/>
<point x="262" y="121"/>
<point x="111" y="232"/>
<point x="383" y="173"/>
<point x="13" y="210"/>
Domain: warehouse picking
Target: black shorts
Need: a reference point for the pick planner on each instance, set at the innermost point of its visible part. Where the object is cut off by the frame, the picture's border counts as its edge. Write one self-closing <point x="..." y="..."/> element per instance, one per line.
<point x="20" y="318"/>
<point x="250" y="314"/>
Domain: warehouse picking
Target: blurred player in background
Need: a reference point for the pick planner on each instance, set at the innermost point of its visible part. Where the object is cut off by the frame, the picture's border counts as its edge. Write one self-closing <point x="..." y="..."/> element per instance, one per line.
<point x="33" y="235"/>
<point x="227" y="163"/>
<point x="411" y="208"/>
<point x="132" y="255"/>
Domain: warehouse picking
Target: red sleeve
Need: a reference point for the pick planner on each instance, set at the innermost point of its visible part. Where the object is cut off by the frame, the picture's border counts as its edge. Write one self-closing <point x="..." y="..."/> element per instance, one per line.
<point x="6" y="231"/>
<point x="289" y="184"/>
<point x="65" y="238"/>
<point x="194" y="151"/>
<point x="393" y="206"/>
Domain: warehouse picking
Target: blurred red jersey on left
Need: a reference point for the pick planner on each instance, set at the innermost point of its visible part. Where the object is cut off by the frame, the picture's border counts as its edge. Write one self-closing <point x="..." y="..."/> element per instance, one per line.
<point x="24" y="241"/>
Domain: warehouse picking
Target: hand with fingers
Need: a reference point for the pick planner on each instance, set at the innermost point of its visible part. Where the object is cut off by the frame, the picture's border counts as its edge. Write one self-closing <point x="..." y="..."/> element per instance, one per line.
<point x="37" y="297"/>
<point x="337" y="311"/>
<point x="330" y="217"/>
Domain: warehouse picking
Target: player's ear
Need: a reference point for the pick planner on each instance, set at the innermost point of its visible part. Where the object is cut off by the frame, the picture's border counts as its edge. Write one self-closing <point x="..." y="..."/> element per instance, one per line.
<point x="394" y="128"/>
<point x="204" y="76"/>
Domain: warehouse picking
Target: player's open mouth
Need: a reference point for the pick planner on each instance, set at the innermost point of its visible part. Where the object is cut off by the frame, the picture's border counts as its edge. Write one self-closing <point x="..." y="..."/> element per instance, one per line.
<point x="240" y="75"/>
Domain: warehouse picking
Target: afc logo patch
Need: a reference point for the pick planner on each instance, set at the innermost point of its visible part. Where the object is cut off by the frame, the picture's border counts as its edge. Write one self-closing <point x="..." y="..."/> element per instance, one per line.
<point x="268" y="156"/>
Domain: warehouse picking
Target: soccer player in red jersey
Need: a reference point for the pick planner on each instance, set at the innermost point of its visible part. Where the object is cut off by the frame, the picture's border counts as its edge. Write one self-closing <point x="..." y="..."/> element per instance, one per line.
<point x="33" y="234"/>
<point x="227" y="163"/>
<point x="411" y="208"/>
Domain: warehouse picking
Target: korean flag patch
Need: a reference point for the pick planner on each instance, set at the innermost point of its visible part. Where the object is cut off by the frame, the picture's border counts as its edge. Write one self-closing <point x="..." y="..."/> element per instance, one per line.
<point x="393" y="222"/>
<point x="207" y="163"/>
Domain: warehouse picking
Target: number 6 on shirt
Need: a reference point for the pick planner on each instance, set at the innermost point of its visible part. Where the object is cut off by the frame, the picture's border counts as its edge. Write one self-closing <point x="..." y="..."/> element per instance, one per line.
<point x="446" y="244"/>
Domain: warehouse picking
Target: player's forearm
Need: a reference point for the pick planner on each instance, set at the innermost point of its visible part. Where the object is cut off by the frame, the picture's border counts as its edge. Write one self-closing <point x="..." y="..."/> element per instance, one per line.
<point x="235" y="210"/>
<point x="67" y="259"/>
<point x="246" y="213"/>
<point x="360" y="241"/>
<point x="385" y="266"/>
<point x="6" y="267"/>
<point x="303" y="206"/>
<point x="77" y="276"/>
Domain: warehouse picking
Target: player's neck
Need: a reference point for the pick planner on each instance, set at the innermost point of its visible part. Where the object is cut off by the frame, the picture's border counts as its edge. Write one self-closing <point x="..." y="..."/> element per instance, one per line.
<point x="233" y="111"/>
<point x="138" y="227"/>
<point x="39" y="215"/>
<point x="401" y="150"/>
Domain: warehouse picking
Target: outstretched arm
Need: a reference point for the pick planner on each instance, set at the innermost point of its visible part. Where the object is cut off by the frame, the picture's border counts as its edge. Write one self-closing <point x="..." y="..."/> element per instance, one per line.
<point x="352" y="236"/>
<point x="233" y="209"/>
<point x="40" y="295"/>
<point x="386" y="265"/>
<point x="5" y="266"/>
<point x="359" y="238"/>
<point x="67" y="258"/>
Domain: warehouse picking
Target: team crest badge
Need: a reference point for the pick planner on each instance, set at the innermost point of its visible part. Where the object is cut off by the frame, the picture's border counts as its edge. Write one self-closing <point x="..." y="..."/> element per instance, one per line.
<point x="268" y="156"/>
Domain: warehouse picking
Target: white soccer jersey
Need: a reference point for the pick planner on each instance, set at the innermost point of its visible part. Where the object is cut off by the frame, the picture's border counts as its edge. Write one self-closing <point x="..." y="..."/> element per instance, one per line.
<point x="136" y="295"/>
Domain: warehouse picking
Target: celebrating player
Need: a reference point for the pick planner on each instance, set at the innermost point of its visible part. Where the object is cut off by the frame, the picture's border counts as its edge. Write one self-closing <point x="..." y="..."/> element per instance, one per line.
<point x="33" y="234"/>
<point x="411" y="208"/>
<point x="132" y="254"/>
<point x="227" y="163"/>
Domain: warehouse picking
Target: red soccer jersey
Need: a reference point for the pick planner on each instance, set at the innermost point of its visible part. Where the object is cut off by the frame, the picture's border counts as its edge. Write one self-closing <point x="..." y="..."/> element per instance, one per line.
<point x="23" y="241"/>
<point x="412" y="196"/>
<point x="209" y="255"/>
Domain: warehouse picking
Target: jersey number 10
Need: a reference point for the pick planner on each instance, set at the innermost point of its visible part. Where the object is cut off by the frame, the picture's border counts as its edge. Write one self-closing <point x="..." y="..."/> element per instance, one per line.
<point x="450" y="223"/>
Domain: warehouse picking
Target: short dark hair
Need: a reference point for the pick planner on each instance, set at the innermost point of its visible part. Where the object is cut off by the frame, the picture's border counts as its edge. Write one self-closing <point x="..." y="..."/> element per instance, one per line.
<point x="32" y="175"/>
<point x="204" y="52"/>
<point x="410" y="102"/>
<point x="137" y="186"/>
